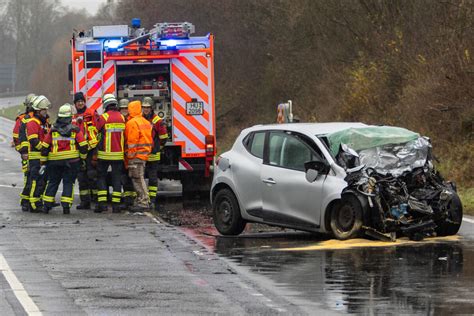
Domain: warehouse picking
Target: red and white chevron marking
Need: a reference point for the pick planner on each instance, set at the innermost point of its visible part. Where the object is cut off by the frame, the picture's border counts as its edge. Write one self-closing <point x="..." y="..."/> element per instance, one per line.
<point x="191" y="79"/>
<point x="99" y="82"/>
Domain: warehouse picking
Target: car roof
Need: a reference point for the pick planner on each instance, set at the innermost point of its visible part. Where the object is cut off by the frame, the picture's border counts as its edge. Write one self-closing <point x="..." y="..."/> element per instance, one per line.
<point x="308" y="128"/>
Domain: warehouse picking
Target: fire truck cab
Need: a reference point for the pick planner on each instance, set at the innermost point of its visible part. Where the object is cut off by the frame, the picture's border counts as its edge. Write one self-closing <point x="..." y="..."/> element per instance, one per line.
<point x="167" y="64"/>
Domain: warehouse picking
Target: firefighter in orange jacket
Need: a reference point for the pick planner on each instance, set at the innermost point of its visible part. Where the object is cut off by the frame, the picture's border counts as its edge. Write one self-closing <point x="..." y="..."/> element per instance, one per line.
<point x="87" y="176"/>
<point x="129" y="194"/>
<point x="138" y="134"/>
<point x="21" y="145"/>
<point x="64" y="146"/>
<point x="160" y="135"/>
<point x="111" y="127"/>
<point x="36" y="129"/>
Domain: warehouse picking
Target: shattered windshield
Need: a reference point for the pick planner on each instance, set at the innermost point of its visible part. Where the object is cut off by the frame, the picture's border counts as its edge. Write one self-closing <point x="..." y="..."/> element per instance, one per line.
<point x="386" y="149"/>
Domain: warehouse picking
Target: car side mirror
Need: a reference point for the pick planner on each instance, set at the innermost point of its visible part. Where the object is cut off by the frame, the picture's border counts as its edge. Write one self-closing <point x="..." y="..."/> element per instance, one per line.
<point x="314" y="169"/>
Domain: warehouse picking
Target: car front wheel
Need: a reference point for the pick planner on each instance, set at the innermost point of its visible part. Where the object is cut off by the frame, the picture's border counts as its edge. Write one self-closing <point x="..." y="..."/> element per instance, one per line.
<point x="451" y="224"/>
<point x="346" y="218"/>
<point x="227" y="218"/>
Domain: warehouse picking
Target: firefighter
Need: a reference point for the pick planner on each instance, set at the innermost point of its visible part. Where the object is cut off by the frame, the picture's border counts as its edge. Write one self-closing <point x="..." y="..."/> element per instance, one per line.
<point x="123" y="106"/>
<point x="87" y="176"/>
<point x="129" y="193"/>
<point x="110" y="126"/>
<point x="36" y="129"/>
<point x="64" y="147"/>
<point x="21" y="145"/>
<point x="138" y="135"/>
<point x="80" y="105"/>
<point x="159" y="135"/>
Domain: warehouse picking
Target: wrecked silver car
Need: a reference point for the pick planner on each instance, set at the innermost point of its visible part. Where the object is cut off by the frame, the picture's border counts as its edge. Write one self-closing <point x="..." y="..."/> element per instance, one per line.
<point x="390" y="172"/>
<point x="347" y="179"/>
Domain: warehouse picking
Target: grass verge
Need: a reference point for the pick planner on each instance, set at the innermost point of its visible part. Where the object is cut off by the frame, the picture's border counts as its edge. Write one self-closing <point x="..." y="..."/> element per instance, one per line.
<point x="467" y="198"/>
<point x="12" y="112"/>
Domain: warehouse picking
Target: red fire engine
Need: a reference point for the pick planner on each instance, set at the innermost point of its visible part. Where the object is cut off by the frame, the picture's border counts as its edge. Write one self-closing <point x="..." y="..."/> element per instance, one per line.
<point x="168" y="65"/>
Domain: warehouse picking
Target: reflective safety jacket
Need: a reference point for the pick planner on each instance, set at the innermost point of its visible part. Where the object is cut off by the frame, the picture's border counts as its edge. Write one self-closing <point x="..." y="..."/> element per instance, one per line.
<point x="89" y="131"/>
<point x="160" y="135"/>
<point x="111" y="127"/>
<point x="138" y="133"/>
<point x="61" y="147"/>
<point x="19" y="133"/>
<point x="35" y="133"/>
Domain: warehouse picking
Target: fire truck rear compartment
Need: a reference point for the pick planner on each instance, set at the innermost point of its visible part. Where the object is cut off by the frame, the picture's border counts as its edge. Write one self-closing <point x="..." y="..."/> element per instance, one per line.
<point x="138" y="80"/>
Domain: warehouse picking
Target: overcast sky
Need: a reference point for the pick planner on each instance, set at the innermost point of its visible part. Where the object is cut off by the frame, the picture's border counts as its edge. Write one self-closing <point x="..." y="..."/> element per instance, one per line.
<point x="90" y="5"/>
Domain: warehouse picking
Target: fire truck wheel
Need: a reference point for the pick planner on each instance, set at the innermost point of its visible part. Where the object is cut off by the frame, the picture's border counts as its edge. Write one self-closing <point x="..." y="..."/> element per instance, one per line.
<point x="227" y="218"/>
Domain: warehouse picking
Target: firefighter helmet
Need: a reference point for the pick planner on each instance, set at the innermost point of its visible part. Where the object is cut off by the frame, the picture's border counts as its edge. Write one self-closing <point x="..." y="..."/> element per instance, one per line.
<point x="65" y="110"/>
<point x="147" y="102"/>
<point x="41" y="103"/>
<point x="123" y="103"/>
<point x="109" y="99"/>
<point x="29" y="99"/>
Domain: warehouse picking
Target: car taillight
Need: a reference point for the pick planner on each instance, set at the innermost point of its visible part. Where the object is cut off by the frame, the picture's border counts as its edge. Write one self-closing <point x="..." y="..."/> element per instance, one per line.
<point x="210" y="145"/>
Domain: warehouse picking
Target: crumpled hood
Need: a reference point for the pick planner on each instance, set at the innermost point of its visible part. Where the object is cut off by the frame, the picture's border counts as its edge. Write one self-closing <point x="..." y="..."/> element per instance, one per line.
<point x="135" y="109"/>
<point x="63" y="126"/>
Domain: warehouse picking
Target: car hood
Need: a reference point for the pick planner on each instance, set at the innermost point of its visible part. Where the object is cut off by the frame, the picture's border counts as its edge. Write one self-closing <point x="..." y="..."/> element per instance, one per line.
<point x="386" y="149"/>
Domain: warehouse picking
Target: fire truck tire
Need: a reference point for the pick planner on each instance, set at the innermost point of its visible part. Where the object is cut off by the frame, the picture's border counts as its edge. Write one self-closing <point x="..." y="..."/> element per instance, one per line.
<point x="226" y="213"/>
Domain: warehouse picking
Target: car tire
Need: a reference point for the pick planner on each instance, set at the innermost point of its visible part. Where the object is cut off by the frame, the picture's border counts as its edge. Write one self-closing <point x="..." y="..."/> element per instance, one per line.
<point x="451" y="225"/>
<point x="347" y="218"/>
<point x="226" y="213"/>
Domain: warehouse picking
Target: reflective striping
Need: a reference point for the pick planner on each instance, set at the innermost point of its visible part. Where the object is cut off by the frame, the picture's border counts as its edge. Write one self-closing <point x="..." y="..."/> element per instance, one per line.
<point x="190" y="136"/>
<point x="181" y="94"/>
<point x="192" y="72"/>
<point x="202" y="60"/>
<point x="193" y="120"/>
<point x="178" y="74"/>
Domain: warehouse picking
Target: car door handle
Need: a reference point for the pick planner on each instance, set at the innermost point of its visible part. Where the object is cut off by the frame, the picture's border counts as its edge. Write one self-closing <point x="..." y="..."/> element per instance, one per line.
<point x="269" y="181"/>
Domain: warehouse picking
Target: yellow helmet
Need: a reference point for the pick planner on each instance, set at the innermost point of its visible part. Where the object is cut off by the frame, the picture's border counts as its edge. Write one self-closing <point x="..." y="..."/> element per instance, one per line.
<point x="123" y="103"/>
<point x="147" y="102"/>
<point x="41" y="103"/>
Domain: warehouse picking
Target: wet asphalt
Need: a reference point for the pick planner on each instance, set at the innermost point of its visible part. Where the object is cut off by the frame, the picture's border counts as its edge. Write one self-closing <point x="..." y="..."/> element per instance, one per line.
<point x="177" y="263"/>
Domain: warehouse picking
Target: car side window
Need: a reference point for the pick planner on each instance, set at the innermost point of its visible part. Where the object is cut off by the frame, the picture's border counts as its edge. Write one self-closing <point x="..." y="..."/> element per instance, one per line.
<point x="289" y="151"/>
<point x="254" y="143"/>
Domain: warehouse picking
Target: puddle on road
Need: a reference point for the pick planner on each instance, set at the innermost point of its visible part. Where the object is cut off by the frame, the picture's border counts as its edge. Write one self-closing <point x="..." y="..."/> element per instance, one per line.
<point x="435" y="276"/>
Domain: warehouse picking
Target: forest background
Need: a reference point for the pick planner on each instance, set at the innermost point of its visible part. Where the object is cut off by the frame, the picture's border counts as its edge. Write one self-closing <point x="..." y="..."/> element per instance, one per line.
<point x="398" y="62"/>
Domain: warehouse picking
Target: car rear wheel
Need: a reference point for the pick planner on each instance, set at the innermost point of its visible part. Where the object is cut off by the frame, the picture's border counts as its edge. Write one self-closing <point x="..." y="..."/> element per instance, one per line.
<point x="227" y="218"/>
<point x="347" y="218"/>
<point x="451" y="224"/>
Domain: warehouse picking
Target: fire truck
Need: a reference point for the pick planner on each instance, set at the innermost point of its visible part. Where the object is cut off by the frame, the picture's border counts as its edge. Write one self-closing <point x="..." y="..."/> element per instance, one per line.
<point x="167" y="64"/>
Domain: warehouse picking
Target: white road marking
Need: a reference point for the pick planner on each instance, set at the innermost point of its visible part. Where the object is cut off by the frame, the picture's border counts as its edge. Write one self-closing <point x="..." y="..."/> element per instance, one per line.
<point x="18" y="289"/>
<point x="468" y="220"/>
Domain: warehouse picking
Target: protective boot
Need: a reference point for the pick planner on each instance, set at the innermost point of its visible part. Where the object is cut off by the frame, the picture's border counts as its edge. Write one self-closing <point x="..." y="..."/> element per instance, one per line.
<point x="84" y="205"/>
<point x="116" y="208"/>
<point x="100" y="207"/>
<point x="66" y="210"/>
<point x="25" y="205"/>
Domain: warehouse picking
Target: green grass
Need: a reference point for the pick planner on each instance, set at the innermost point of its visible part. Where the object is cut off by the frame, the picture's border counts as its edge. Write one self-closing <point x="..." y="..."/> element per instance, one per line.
<point x="467" y="198"/>
<point x="12" y="112"/>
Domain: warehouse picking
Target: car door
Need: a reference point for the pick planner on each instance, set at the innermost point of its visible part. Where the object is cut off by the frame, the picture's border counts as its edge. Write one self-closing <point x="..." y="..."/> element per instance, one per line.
<point x="288" y="198"/>
<point x="246" y="163"/>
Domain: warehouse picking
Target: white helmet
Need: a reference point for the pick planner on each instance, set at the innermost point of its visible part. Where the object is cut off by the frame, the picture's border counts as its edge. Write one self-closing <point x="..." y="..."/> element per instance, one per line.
<point x="65" y="110"/>
<point x="41" y="103"/>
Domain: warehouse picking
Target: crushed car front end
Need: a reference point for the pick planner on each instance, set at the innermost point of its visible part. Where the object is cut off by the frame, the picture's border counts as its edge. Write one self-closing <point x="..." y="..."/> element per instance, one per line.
<point x="391" y="176"/>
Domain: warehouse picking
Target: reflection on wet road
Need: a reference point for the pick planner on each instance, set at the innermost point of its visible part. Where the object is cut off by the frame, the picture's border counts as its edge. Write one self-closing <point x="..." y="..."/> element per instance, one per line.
<point x="435" y="276"/>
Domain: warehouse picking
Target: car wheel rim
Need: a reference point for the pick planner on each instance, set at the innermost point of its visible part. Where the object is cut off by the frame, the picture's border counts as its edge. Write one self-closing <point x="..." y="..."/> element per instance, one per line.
<point x="225" y="212"/>
<point x="345" y="218"/>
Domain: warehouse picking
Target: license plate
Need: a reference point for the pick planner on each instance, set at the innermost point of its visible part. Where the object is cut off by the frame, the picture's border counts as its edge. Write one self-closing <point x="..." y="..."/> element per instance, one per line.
<point x="194" y="108"/>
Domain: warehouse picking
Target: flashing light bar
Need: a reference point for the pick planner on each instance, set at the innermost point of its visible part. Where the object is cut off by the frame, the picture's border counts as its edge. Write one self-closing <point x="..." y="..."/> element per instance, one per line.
<point x="174" y="30"/>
